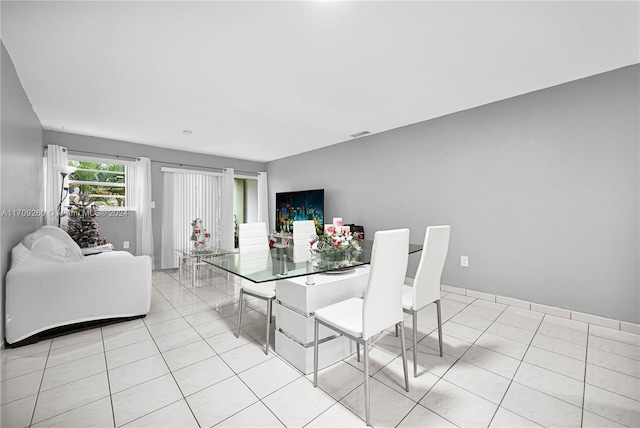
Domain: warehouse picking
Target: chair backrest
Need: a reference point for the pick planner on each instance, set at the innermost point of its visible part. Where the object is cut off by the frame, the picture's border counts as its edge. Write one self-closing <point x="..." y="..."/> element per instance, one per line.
<point x="426" y="285"/>
<point x="383" y="296"/>
<point x="252" y="237"/>
<point x="303" y="232"/>
<point x="253" y="261"/>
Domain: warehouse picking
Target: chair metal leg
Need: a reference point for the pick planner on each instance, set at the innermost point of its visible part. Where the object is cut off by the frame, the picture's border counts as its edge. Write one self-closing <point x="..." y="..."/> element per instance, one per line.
<point x="404" y="356"/>
<point x="315" y="355"/>
<point x="357" y="351"/>
<point x="439" y="325"/>
<point x="414" y="315"/>
<point x="271" y="309"/>
<point x="396" y="330"/>
<point x="266" y="348"/>
<point x="367" y="402"/>
<point x="240" y="311"/>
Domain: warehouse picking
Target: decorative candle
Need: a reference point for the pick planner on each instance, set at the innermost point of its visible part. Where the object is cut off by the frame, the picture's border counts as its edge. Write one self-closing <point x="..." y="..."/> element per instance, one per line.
<point x="337" y="225"/>
<point x="329" y="229"/>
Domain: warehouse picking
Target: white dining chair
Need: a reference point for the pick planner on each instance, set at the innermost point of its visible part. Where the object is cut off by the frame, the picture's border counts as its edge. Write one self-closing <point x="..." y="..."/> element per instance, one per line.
<point x="303" y="232"/>
<point x="426" y="285"/>
<point x="252" y="237"/>
<point x="360" y="319"/>
<point x="253" y="243"/>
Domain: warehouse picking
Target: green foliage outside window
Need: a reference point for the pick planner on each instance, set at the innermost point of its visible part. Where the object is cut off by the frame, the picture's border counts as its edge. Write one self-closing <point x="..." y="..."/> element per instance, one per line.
<point x="101" y="183"/>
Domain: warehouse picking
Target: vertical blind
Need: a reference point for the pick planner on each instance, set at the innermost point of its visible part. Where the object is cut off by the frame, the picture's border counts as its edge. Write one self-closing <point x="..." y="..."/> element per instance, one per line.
<point x="187" y="196"/>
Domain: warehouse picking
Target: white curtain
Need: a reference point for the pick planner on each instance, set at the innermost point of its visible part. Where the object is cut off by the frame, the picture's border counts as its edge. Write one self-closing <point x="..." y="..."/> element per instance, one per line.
<point x="263" y="199"/>
<point x="56" y="158"/>
<point x="187" y="195"/>
<point x="139" y="198"/>
<point x="226" y="211"/>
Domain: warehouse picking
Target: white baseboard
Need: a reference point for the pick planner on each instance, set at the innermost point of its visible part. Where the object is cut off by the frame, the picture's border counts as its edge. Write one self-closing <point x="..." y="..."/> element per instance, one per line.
<point x="551" y="310"/>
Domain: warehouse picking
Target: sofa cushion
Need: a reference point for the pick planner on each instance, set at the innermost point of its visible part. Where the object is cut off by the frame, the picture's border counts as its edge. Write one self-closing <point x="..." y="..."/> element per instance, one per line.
<point x="47" y="243"/>
<point x="49" y="248"/>
<point x="64" y="239"/>
<point x="19" y="253"/>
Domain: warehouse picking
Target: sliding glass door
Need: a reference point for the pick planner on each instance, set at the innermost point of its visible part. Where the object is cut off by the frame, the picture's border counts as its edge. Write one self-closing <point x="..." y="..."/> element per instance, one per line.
<point x="188" y="196"/>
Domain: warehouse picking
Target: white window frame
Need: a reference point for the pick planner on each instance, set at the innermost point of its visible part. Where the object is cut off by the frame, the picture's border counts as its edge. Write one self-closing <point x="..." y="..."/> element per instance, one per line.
<point x="127" y="171"/>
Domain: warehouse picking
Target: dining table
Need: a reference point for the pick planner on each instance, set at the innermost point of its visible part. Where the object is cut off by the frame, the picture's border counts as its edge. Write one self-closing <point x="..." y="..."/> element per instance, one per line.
<point x="305" y="282"/>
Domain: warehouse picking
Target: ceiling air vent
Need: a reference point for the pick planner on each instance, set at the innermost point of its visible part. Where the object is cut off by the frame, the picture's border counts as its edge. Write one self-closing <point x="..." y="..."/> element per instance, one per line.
<point x="360" y="134"/>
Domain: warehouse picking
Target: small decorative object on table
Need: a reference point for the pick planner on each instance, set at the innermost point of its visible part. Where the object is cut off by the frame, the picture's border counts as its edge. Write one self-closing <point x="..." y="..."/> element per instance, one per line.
<point x="199" y="236"/>
<point x="337" y="247"/>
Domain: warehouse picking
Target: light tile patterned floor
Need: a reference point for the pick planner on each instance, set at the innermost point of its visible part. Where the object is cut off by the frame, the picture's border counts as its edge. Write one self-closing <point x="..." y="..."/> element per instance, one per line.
<point x="182" y="366"/>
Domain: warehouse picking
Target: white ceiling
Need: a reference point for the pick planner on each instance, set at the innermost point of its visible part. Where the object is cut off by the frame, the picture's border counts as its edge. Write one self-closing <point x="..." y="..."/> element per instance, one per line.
<point x="265" y="80"/>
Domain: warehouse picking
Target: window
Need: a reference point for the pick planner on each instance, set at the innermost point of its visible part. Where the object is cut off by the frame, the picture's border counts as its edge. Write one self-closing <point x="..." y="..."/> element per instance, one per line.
<point x="101" y="182"/>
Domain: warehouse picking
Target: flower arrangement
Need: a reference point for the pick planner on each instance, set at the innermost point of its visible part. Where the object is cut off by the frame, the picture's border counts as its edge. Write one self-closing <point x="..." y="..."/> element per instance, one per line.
<point x="336" y="242"/>
<point x="338" y="245"/>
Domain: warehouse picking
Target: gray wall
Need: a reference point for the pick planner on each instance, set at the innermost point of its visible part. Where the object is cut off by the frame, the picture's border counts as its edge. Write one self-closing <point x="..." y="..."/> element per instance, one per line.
<point x="21" y="167"/>
<point x="119" y="229"/>
<point x="542" y="192"/>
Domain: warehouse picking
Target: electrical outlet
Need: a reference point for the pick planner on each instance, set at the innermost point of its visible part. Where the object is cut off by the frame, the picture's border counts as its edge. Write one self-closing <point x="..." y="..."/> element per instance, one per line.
<point x="464" y="261"/>
<point x="125" y="244"/>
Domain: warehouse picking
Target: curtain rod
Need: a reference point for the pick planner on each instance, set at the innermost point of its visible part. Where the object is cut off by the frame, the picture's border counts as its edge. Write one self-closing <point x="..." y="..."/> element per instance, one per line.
<point x="162" y="161"/>
<point x="108" y="155"/>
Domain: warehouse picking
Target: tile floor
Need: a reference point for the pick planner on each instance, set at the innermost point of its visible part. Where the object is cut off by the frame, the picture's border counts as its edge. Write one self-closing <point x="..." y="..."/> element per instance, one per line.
<point x="182" y="366"/>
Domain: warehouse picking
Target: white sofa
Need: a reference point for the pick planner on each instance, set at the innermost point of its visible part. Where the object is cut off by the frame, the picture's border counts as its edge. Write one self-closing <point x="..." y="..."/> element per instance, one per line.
<point x="51" y="284"/>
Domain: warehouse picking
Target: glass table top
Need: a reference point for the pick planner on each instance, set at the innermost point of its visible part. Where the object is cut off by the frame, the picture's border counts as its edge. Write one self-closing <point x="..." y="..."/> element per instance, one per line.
<point x="289" y="262"/>
<point x="206" y="251"/>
